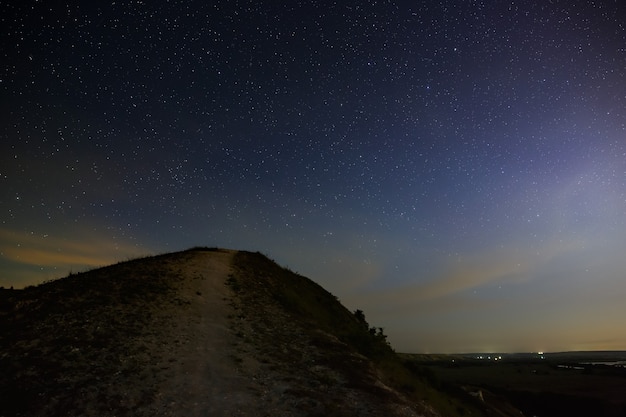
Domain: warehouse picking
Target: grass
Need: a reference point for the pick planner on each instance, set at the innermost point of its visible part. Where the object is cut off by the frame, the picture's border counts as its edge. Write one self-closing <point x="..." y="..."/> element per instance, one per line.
<point x="62" y="339"/>
<point x="346" y="342"/>
<point x="231" y="281"/>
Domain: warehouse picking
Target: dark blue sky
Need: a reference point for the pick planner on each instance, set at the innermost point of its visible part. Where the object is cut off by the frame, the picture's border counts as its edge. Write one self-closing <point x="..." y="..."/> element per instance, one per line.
<point x="446" y="167"/>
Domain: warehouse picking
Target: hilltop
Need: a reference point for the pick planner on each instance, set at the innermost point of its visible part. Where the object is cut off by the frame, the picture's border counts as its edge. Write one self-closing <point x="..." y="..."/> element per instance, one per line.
<point x="201" y="332"/>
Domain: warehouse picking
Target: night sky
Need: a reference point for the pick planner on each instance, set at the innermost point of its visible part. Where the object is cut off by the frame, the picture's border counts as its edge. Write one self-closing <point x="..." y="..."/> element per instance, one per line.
<point x="457" y="170"/>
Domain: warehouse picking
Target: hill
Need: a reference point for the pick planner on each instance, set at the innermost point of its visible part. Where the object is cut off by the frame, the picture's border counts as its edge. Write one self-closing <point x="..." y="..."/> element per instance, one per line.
<point x="201" y="332"/>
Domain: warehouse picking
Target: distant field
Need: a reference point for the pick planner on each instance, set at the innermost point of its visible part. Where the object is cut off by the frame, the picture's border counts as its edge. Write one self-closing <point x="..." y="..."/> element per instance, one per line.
<point x="557" y="385"/>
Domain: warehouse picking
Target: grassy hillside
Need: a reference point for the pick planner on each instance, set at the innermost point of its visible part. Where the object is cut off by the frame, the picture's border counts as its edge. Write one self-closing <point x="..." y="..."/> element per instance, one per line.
<point x="346" y="343"/>
<point x="73" y="341"/>
<point x="110" y="341"/>
<point x="311" y="304"/>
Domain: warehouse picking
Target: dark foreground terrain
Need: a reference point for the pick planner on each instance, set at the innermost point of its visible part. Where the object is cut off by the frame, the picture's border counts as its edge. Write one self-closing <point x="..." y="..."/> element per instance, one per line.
<point x="215" y="332"/>
<point x="573" y="384"/>
<point x="201" y="332"/>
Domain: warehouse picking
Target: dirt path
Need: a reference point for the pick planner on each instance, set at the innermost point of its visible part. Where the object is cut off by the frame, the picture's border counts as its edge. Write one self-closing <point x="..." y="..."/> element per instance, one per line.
<point x="198" y="373"/>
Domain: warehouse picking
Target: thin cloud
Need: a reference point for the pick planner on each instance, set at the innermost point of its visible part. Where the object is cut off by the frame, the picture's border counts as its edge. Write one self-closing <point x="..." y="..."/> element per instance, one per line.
<point x="43" y="257"/>
<point x="53" y="251"/>
<point x="490" y="267"/>
<point x="29" y="258"/>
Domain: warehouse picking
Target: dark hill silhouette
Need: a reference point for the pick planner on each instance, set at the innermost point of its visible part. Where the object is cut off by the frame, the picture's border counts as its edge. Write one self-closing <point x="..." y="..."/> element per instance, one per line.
<point x="200" y="332"/>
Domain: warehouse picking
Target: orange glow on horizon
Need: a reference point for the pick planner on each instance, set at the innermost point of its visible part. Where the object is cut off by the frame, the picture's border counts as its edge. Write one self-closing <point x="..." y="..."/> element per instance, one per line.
<point x="32" y="259"/>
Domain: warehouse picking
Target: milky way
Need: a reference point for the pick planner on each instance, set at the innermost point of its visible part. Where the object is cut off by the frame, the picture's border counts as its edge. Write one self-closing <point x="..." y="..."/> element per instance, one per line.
<point x="457" y="170"/>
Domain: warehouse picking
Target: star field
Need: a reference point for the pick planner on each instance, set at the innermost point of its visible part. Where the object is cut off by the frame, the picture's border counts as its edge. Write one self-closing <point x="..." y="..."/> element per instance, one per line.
<point x="455" y="169"/>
